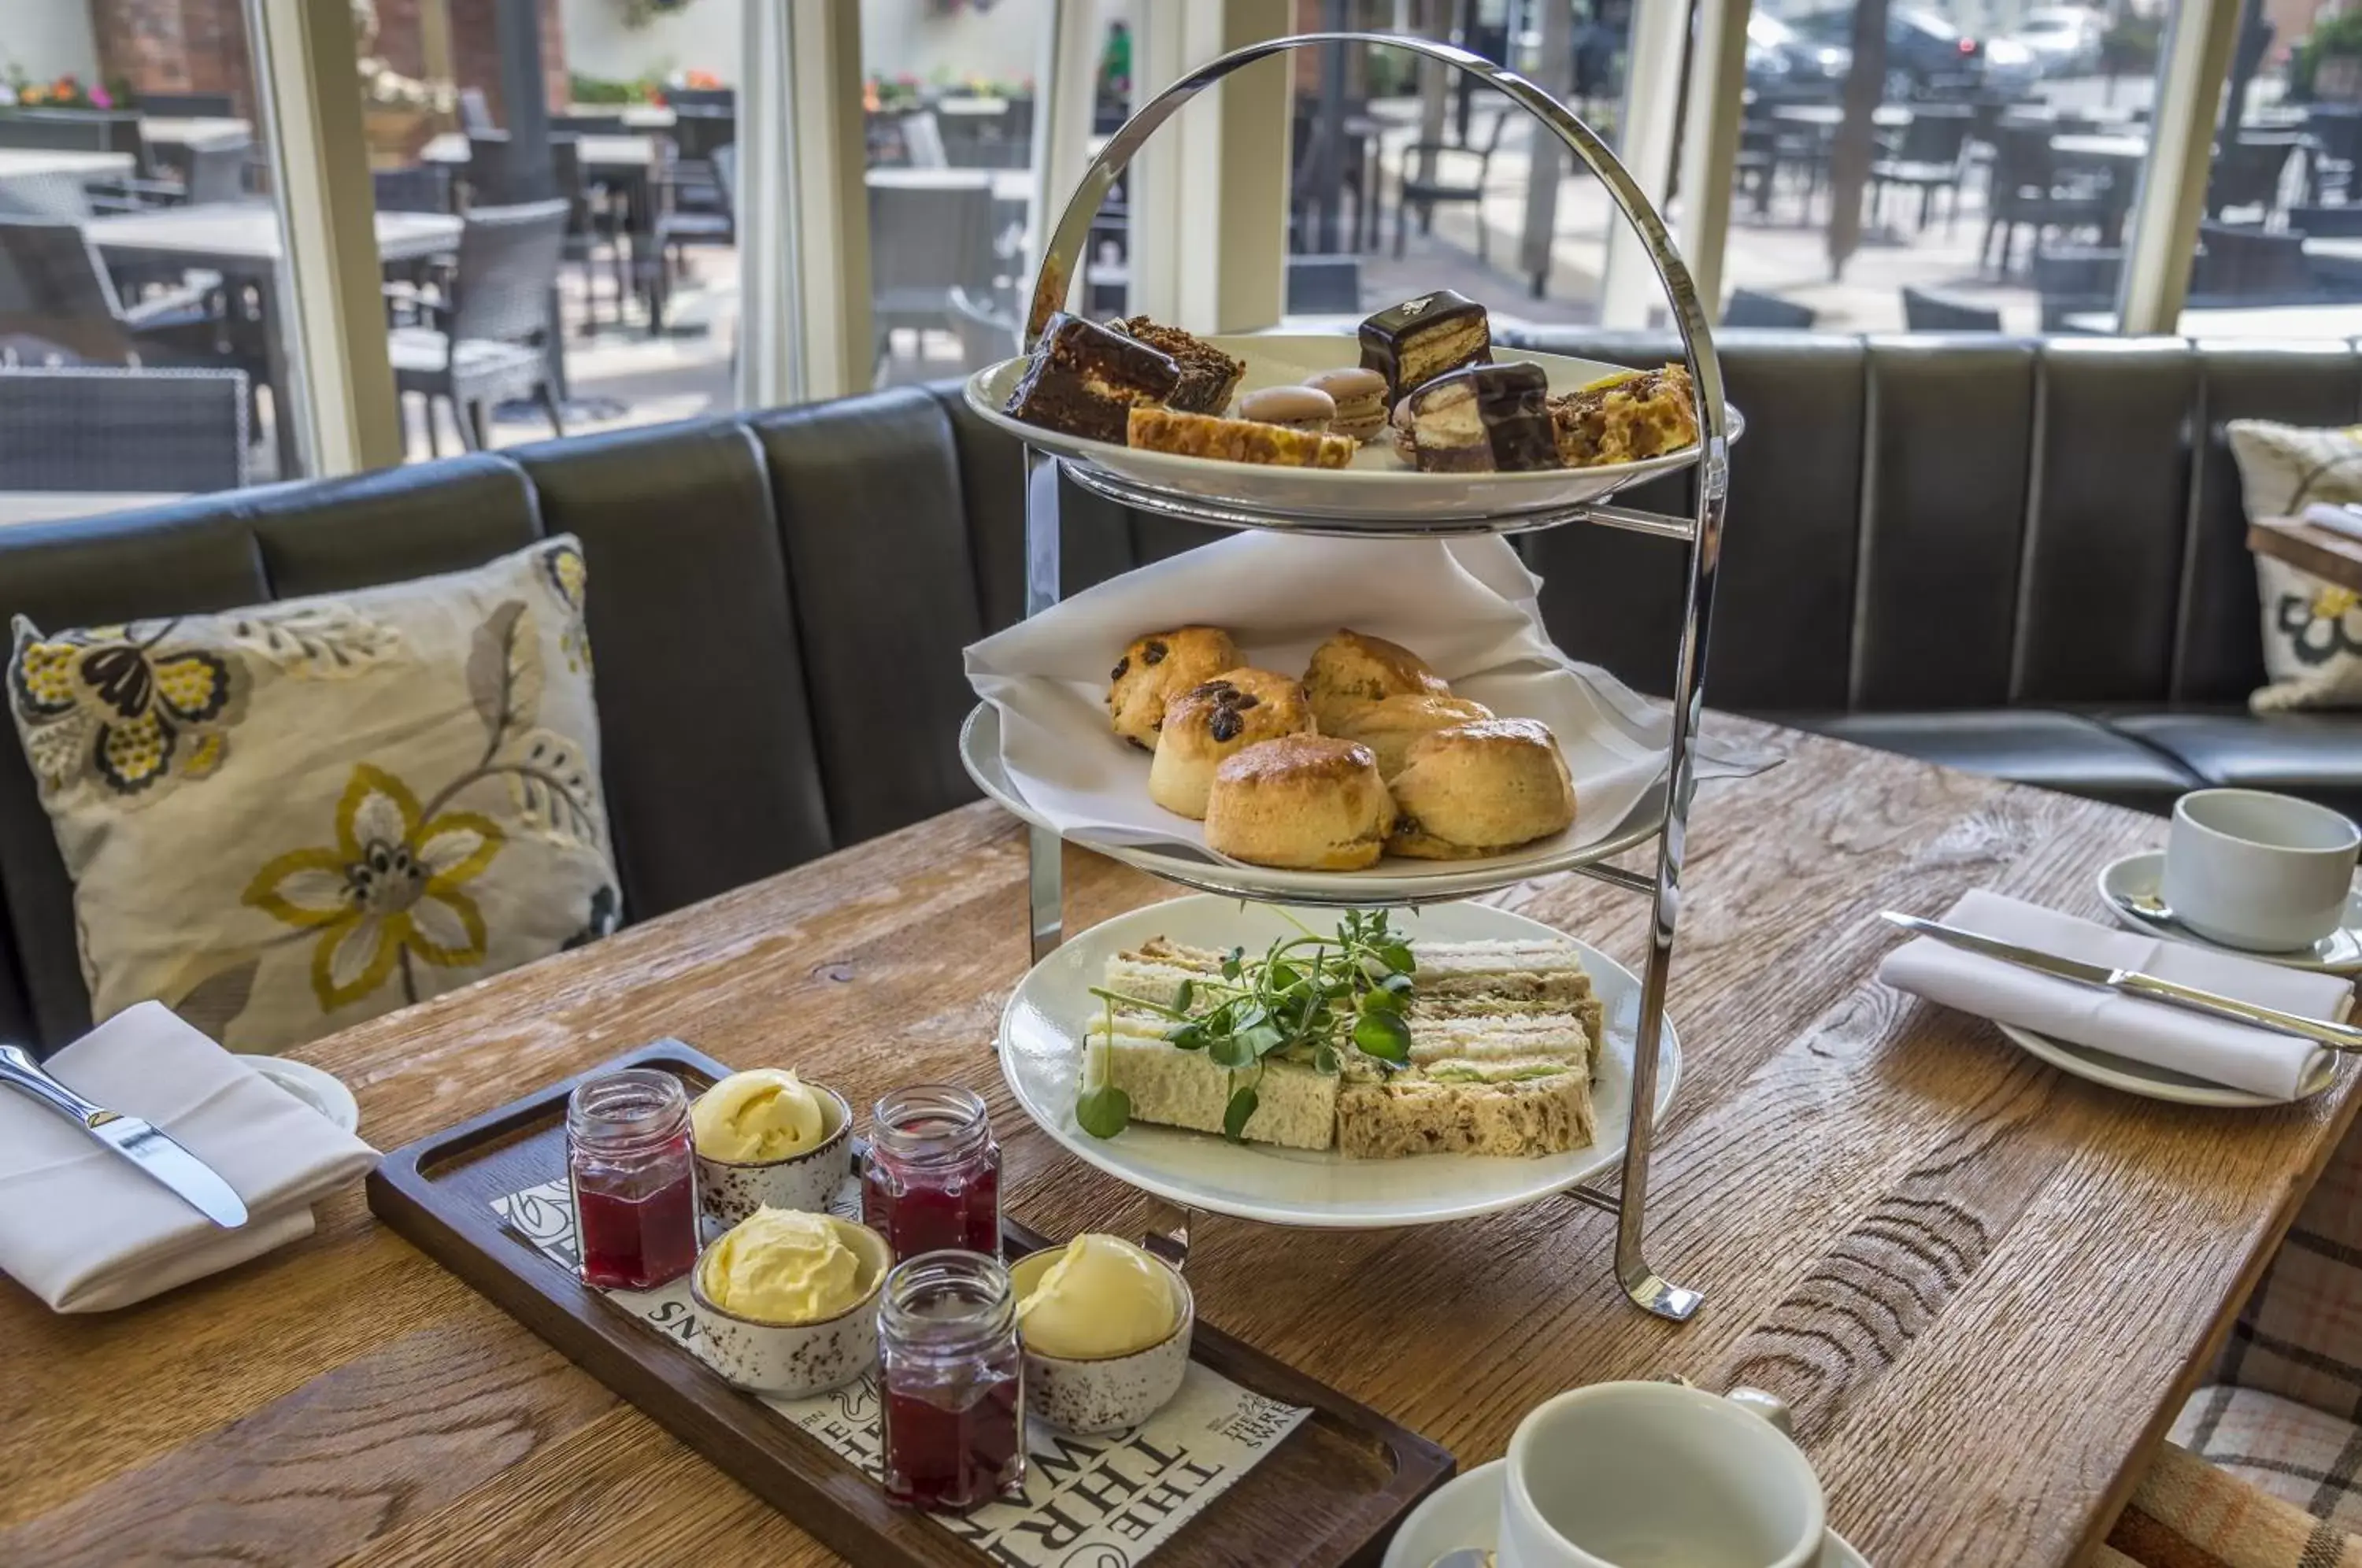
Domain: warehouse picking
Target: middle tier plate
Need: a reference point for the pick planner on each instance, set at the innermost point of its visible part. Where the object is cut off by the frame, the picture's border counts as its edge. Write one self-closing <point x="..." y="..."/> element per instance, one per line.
<point x="1394" y="881"/>
<point x="1041" y="1048"/>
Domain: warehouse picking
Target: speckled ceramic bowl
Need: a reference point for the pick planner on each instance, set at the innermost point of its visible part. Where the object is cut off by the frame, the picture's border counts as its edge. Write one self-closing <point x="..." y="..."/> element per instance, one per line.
<point x="794" y="1360"/>
<point x="1108" y="1393"/>
<point x="729" y="1190"/>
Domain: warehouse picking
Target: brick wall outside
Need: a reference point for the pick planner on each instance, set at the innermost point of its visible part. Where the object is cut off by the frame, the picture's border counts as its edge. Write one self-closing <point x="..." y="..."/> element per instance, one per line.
<point x="199" y="46"/>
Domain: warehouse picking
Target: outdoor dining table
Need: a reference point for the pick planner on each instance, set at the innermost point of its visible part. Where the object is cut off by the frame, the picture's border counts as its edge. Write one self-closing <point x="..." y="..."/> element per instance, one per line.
<point x="243" y="242"/>
<point x="41" y="181"/>
<point x="194" y="132"/>
<point x="606" y="152"/>
<point x="2319" y="323"/>
<point x="1829" y="116"/>
<point x="1985" y="1287"/>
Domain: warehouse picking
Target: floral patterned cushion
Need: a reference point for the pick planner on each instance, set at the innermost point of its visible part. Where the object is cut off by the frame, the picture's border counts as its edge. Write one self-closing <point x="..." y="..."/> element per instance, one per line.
<point x="2312" y="630"/>
<point x="286" y="819"/>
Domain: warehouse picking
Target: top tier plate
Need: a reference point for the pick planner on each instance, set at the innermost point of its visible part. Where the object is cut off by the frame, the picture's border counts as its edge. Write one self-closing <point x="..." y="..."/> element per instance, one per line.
<point x="1376" y="494"/>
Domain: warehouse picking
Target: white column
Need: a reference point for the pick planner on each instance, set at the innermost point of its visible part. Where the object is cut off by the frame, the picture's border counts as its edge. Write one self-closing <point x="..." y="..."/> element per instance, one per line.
<point x="1066" y="95"/>
<point x="338" y="388"/>
<point x="1547" y="161"/>
<point x="1710" y="153"/>
<point x="1629" y="291"/>
<point x="2163" y="230"/>
<point x="767" y="296"/>
<point x="828" y="228"/>
<point x="1209" y="193"/>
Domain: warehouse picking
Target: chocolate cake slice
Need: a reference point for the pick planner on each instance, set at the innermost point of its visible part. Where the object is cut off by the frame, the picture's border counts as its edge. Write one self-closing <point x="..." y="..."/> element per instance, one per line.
<point x="1209" y="376"/>
<point x="1084" y="379"/>
<point x="1419" y="339"/>
<point x="1483" y="419"/>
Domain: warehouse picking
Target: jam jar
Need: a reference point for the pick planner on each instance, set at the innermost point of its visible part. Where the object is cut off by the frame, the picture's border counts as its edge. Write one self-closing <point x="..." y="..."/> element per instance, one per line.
<point x="629" y="1160"/>
<point x="952" y="1382"/>
<point x="931" y="1178"/>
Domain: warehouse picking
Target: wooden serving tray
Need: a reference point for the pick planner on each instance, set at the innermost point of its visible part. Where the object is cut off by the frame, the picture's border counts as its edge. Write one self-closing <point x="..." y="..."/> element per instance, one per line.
<point x="1332" y="1492"/>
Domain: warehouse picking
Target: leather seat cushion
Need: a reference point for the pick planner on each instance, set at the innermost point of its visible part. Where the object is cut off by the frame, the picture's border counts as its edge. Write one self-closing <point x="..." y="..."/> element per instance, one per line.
<point x="2317" y="756"/>
<point x="2066" y="752"/>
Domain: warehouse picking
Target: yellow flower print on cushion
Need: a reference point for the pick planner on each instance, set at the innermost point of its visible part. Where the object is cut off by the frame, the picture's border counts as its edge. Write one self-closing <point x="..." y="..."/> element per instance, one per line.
<point x="113" y="703"/>
<point x="569" y="575"/>
<point x="388" y="893"/>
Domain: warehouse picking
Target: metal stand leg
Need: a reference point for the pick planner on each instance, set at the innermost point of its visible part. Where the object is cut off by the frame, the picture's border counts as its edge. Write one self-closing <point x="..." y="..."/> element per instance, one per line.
<point x="1045" y="877"/>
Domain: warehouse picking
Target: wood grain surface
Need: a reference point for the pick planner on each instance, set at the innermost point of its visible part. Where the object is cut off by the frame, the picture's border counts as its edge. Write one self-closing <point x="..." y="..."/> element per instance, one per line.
<point x="2325" y="553"/>
<point x="1986" y="1286"/>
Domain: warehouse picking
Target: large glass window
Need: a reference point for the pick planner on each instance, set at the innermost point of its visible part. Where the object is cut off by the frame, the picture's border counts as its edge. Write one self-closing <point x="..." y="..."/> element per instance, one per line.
<point x="556" y="213"/>
<point x="950" y="105"/>
<point x="1959" y="165"/>
<point x="139" y="258"/>
<point x="2278" y="252"/>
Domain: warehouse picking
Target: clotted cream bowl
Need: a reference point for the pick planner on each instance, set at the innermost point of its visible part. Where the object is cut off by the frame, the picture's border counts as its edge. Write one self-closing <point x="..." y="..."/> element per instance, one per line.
<point x="794" y="1360"/>
<point x="729" y="1190"/>
<point x="1104" y="1393"/>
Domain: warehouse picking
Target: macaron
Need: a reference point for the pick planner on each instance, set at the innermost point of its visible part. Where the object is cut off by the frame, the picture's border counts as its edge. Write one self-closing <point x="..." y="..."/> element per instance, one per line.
<point x="1297" y="408"/>
<point x="1361" y="399"/>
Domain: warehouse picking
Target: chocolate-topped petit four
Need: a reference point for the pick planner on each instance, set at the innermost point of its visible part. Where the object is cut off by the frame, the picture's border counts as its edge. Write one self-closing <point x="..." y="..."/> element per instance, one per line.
<point x="1419" y="339"/>
<point x="1485" y="418"/>
<point x="1209" y="376"/>
<point x="1085" y="380"/>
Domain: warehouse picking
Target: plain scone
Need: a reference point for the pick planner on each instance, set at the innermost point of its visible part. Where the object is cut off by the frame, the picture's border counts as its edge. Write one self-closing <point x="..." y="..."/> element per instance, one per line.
<point x="1350" y="669"/>
<point x="1159" y="666"/>
<point x="1389" y="725"/>
<point x="1207" y="724"/>
<point x="1476" y="789"/>
<point x="1303" y="802"/>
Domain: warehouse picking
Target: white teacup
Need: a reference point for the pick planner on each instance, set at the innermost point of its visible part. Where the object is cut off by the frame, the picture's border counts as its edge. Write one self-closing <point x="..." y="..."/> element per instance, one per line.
<point x="2269" y="873"/>
<point x="1656" y="1476"/>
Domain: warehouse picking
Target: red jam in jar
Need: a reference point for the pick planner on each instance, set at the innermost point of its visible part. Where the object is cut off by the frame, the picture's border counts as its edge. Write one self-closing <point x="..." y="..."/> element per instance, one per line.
<point x="931" y="1178"/>
<point x="952" y="1383"/>
<point x="628" y="1160"/>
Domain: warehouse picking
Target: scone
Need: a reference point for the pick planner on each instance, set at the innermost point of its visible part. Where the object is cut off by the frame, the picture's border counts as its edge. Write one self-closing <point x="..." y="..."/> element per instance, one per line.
<point x="1350" y="669"/>
<point x="1163" y="664"/>
<point x="1477" y="790"/>
<point x="1209" y="722"/>
<point x="1304" y="802"/>
<point x="1390" y="725"/>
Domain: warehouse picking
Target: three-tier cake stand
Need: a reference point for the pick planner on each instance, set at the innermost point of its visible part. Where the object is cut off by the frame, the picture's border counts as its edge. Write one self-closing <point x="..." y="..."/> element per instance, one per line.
<point x="1702" y="532"/>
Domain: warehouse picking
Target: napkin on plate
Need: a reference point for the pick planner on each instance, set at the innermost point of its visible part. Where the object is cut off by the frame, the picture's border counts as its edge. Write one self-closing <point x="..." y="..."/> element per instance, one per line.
<point x="2340" y="517"/>
<point x="2217" y="1050"/>
<point x="1466" y="606"/>
<point x="86" y="1231"/>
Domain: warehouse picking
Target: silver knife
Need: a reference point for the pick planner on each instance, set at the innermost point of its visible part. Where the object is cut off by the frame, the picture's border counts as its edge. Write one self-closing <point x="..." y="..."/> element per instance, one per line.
<point x="2135" y="983"/>
<point x="164" y="1160"/>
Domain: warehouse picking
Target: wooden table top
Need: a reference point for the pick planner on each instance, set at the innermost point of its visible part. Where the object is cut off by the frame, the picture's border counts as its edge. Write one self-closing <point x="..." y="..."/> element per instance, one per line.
<point x="1986" y="1286"/>
<point x="2325" y="553"/>
<point x="249" y="232"/>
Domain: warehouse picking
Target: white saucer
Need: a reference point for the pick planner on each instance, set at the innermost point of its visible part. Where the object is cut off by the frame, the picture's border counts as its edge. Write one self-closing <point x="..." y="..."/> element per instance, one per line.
<point x="2339" y="953"/>
<point x="316" y="1086"/>
<point x="2156" y="1083"/>
<point x="1466" y="1511"/>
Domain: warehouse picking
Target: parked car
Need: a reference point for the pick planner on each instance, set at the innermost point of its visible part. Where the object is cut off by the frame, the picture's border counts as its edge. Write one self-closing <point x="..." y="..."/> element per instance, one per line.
<point x="1783" y="64"/>
<point x="2063" y="39"/>
<point x="1923" y="51"/>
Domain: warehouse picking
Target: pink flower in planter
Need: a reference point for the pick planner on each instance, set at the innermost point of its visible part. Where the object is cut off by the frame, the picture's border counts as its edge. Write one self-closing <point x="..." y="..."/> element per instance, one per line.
<point x="101" y="98"/>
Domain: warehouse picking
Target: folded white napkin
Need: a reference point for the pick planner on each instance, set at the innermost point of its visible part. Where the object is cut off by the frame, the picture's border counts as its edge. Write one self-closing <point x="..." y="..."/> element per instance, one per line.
<point x="86" y="1231"/>
<point x="2214" y="1049"/>
<point x="2342" y="517"/>
<point x="1466" y="606"/>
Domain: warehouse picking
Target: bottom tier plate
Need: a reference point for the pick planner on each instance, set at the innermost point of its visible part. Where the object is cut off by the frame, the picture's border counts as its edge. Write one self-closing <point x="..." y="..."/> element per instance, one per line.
<point x="1041" y="1032"/>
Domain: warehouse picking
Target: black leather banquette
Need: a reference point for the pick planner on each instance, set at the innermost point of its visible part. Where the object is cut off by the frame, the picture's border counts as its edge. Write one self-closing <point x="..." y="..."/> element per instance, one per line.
<point x="2015" y="558"/>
